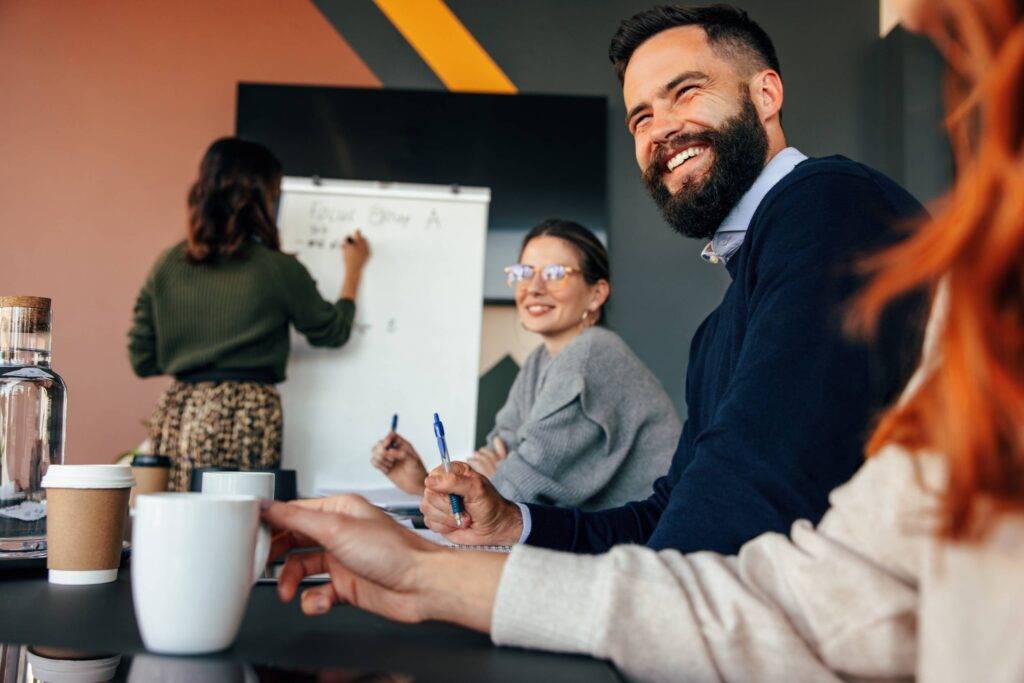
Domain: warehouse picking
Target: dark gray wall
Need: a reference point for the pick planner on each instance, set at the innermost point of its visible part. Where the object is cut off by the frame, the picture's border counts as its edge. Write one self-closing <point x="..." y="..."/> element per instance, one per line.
<point x="834" y="71"/>
<point x="917" y="153"/>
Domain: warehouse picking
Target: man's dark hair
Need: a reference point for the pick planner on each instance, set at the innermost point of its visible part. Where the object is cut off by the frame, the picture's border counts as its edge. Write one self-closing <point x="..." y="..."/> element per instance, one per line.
<point x="728" y="29"/>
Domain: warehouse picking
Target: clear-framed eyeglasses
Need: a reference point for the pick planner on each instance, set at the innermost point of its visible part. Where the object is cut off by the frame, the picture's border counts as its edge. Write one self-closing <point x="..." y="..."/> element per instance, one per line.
<point x="554" y="275"/>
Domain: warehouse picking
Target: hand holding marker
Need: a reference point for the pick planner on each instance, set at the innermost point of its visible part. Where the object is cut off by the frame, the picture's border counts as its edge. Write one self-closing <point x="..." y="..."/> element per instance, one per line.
<point x="456" y="501"/>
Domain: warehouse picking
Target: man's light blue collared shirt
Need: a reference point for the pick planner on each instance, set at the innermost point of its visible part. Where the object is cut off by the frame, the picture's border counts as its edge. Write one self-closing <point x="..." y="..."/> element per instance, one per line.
<point x="729" y="236"/>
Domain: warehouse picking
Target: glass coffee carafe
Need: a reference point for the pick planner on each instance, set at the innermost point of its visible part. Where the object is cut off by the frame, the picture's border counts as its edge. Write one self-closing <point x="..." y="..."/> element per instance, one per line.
<point x="32" y="414"/>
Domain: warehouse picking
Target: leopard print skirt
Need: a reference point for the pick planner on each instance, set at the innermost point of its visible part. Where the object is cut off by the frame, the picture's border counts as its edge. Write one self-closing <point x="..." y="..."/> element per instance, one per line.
<point x="217" y="424"/>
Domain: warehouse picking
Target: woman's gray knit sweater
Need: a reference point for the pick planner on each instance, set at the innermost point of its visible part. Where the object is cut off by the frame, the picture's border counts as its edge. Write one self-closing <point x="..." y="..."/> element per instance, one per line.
<point x="590" y="428"/>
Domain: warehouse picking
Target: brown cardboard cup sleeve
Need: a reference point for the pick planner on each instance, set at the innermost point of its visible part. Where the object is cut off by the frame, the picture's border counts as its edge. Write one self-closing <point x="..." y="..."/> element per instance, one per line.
<point x="151" y="472"/>
<point x="87" y="506"/>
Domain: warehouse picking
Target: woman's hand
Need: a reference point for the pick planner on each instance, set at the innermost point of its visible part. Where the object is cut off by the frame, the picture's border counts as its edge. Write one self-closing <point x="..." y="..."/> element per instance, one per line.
<point x="399" y="461"/>
<point x="355" y="251"/>
<point x="485" y="461"/>
<point x="370" y="558"/>
<point x="376" y="564"/>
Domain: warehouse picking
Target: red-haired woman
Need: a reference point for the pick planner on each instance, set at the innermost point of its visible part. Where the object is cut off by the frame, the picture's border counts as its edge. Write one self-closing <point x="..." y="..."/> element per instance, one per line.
<point x="215" y="310"/>
<point x="917" y="568"/>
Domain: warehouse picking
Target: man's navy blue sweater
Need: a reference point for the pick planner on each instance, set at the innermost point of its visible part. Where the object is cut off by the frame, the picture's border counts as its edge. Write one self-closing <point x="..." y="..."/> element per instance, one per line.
<point x="780" y="400"/>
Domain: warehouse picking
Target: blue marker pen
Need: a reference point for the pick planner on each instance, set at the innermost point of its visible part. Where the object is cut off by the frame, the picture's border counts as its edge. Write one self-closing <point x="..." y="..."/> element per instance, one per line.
<point x="455" y="500"/>
<point x="394" y="426"/>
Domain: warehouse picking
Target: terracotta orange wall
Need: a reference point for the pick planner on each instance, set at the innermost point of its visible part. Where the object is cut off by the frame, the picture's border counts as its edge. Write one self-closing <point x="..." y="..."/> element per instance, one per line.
<point x="105" y="110"/>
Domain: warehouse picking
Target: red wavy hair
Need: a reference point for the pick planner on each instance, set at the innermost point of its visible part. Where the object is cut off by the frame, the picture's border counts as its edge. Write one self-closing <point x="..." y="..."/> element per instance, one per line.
<point x="971" y="407"/>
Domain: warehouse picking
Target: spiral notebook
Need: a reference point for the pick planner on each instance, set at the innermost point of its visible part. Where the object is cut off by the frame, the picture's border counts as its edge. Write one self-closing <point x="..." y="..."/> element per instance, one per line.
<point x="433" y="537"/>
<point x="441" y="540"/>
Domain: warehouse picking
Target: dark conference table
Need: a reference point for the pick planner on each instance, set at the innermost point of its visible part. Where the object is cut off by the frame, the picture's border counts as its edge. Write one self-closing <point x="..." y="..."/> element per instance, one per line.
<point x="276" y="642"/>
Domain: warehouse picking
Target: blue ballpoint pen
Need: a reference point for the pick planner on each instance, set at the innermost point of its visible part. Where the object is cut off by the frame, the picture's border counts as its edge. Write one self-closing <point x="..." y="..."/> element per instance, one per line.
<point x="456" y="501"/>
<point x="394" y="426"/>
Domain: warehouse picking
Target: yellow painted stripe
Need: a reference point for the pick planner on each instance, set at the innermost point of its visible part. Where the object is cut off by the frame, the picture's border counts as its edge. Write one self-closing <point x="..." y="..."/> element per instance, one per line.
<point x="443" y="42"/>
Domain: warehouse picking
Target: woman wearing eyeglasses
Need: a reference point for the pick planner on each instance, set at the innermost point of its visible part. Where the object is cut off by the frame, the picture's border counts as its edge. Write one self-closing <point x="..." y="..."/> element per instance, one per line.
<point x="585" y="423"/>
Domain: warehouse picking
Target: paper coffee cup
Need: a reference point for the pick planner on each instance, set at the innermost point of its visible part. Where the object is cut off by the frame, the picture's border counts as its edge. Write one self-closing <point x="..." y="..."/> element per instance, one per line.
<point x="151" y="474"/>
<point x="86" y="510"/>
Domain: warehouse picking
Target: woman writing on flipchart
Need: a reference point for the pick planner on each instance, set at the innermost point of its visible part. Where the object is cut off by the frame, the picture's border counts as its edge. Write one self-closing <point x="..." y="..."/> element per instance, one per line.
<point x="585" y="423"/>
<point x="214" y="312"/>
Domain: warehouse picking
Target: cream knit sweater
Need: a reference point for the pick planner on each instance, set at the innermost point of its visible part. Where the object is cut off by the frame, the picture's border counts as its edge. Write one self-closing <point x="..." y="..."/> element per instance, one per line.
<point x="867" y="594"/>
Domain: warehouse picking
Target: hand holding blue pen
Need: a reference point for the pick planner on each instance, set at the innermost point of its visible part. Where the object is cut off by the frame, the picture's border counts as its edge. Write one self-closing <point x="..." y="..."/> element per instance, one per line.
<point x="456" y="501"/>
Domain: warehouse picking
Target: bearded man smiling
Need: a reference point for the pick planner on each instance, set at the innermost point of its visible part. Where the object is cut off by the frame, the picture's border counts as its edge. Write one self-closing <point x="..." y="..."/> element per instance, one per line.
<point x="779" y="400"/>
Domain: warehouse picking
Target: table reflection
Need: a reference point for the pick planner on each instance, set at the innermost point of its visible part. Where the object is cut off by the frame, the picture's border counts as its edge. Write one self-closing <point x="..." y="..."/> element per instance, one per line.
<point x="42" y="664"/>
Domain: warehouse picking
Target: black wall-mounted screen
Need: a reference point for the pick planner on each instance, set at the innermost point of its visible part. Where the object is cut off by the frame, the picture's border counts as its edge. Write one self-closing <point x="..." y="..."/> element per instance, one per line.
<point x="541" y="155"/>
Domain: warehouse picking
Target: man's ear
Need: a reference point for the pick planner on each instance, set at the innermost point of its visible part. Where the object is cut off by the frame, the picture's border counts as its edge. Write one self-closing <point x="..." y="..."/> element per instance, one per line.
<point x="766" y="93"/>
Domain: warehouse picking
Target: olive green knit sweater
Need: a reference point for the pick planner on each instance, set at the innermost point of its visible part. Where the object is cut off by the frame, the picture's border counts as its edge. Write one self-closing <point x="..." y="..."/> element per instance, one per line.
<point x="230" y="315"/>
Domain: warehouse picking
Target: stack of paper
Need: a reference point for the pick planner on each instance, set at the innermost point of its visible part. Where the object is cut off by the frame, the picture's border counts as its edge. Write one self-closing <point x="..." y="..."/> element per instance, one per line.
<point x="389" y="498"/>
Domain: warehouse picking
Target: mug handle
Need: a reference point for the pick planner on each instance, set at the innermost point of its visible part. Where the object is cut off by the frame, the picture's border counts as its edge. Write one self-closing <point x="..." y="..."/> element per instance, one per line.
<point x="262" y="552"/>
<point x="262" y="549"/>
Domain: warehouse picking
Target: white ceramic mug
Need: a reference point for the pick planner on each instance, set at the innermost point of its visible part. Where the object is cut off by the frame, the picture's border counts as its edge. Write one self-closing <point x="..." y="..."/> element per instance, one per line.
<point x="258" y="484"/>
<point x="194" y="561"/>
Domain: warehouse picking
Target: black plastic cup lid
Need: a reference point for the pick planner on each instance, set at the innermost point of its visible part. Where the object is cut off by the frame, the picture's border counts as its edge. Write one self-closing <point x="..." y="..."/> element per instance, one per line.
<point x="145" y="460"/>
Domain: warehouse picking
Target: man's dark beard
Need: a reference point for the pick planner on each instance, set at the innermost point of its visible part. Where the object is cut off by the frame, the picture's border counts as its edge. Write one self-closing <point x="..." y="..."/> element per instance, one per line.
<point x="740" y="146"/>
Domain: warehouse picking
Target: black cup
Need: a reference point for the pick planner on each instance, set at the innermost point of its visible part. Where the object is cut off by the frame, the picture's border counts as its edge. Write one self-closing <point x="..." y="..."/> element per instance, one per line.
<point x="284" y="484"/>
<point x="147" y="460"/>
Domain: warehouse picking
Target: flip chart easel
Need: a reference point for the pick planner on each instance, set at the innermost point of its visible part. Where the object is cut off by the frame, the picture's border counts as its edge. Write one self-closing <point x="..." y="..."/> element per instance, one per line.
<point x="415" y="346"/>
